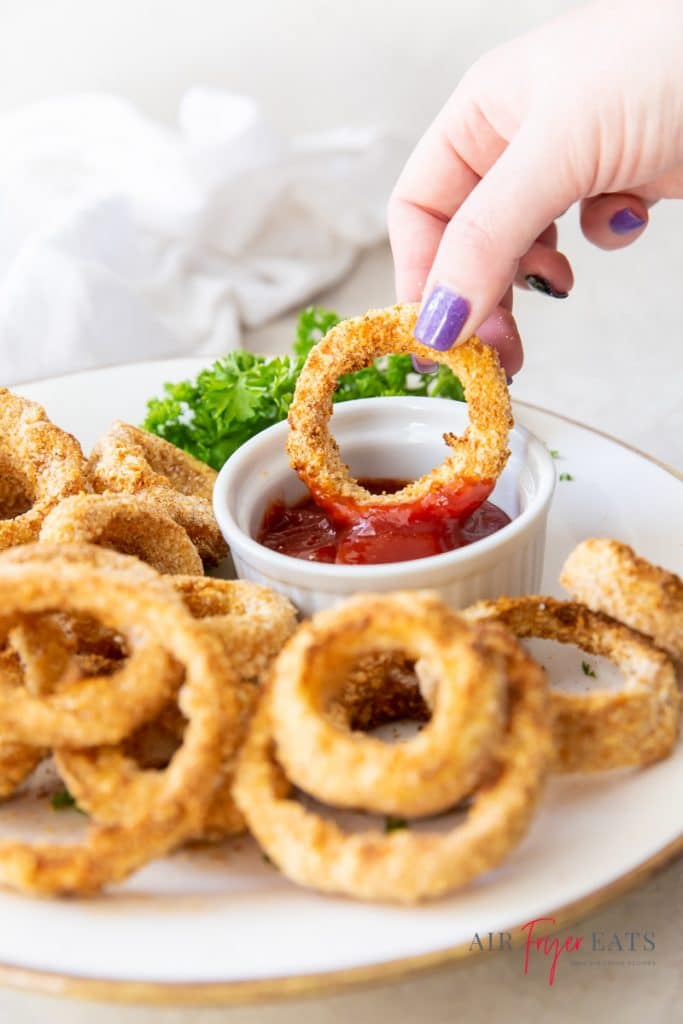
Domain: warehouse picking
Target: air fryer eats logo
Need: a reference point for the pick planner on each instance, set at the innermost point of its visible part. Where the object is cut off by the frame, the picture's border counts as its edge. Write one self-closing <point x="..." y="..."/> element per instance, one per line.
<point x="594" y="949"/>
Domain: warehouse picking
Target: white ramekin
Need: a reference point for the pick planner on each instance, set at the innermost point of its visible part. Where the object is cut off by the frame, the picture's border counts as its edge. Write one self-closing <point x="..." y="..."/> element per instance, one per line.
<point x="390" y="438"/>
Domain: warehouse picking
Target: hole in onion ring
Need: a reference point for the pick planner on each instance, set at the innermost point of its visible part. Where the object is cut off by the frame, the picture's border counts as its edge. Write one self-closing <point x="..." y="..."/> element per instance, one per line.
<point x="15" y="497"/>
<point x="382" y="690"/>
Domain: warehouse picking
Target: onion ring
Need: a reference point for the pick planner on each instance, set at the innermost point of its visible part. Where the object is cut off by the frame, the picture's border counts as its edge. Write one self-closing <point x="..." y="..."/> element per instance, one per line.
<point x="252" y="622"/>
<point x="82" y="556"/>
<point x="40" y="657"/>
<point x="178" y="800"/>
<point x="82" y="634"/>
<point x="39" y="466"/>
<point x="477" y="457"/>
<point x="17" y="760"/>
<point x="131" y="461"/>
<point x="131" y="525"/>
<point x="603" y="729"/>
<point x="609" y="577"/>
<point x="45" y="652"/>
<point x="99" y="709"/>
<point x="406" y="866"/>
<point x="423" y="775"/>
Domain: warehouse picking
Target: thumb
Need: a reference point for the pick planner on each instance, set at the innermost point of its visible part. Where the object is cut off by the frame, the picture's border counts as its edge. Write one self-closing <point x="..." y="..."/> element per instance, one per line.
<point x="482" y="245"/>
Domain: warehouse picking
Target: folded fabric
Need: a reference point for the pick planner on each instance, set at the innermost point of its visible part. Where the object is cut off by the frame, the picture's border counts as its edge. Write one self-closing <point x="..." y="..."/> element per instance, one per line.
<point x="123" y="239"/>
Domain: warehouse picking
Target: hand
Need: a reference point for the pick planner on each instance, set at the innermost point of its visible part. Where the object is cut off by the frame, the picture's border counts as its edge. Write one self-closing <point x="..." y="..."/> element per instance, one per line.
<point x="588" y="108"/>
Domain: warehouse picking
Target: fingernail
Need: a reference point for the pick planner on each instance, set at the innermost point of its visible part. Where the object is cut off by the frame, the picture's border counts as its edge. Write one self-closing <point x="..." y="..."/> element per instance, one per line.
<point x="542" y="284"/>
<point x="509" y="381"/>
<point x="625" y="221"/>
<point x="441" y="319"/>
<point x="423" y="365"/>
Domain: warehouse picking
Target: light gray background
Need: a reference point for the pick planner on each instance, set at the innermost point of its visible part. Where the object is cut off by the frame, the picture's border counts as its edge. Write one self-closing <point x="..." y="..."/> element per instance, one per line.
<point x="610" y="355"/>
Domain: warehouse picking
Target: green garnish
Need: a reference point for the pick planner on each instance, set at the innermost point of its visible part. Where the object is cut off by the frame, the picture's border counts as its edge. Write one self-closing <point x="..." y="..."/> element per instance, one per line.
<point x="61" y="800"/>
<point x="566" y="476"/>
<point x="554" y="454"/>
<point x="587" y="670"/>
<point x="392" y="824"/>
<point x="242" y="393"/>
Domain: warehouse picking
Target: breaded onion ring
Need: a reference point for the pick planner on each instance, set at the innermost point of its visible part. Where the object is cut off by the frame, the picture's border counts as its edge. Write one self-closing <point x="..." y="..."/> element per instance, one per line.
<point x="39" y="466"/>
<point x="252" y="622"/>
<point x="603" y="729"/>
<point x="610" y="577"/>
<point x="98" y="709"/>
<point x="17" y="760"/>
<point x="81" y="555"/>
<point x="177" y="800"/>
<point x="41" y="657"/>
<point x="131" y="461"/>
<point x="110" y="784"/>
<point x="130" y="525"/>
<point x="423" y="775"/>
<point x="47" y="652"/>
<point x="84" y="635"/>
<point x="44" y="650"/>
<point x="477" y="457"/>
<point x="405" y="866"/>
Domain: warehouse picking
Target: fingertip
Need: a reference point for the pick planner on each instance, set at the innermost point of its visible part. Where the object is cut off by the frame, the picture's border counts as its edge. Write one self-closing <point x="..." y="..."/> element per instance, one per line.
<point x="423" y="365"/>
<point x="613" y="221"/>
<point x="546" y="270"/>
<point x="443" y="315"/>
<point x="501" y="332"/>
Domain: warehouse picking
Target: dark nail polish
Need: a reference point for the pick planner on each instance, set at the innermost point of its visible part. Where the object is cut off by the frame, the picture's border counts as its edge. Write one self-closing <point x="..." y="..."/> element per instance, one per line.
<point x="423" y="366"/>
<point x="441" y="319"/>
<point x="624" y="221"/>
<point x="509" y="381"/>
<point x="542" y="284"/>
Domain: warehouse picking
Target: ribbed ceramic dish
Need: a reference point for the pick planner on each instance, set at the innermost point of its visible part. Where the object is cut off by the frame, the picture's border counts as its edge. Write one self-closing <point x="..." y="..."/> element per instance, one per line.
<point x="399" y="438"/>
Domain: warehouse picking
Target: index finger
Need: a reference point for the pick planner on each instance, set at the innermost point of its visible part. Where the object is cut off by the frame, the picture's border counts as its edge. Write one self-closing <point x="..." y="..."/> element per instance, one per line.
<point x="432" y="185"/>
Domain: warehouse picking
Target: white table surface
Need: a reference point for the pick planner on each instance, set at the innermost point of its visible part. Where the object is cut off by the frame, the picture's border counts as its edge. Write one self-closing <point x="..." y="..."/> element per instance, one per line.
<point x="610" y="355"/>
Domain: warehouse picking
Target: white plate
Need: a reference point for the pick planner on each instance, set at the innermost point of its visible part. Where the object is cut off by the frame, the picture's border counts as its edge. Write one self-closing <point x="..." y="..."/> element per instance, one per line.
<point x="223" y="925"/>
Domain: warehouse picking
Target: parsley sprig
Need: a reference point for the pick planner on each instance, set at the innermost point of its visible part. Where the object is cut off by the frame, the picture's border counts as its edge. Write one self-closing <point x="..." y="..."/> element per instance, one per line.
<point x="242" y="393"/>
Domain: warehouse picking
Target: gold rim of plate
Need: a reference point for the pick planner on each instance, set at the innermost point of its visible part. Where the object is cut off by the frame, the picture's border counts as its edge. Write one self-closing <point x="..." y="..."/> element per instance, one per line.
<point x="216" y="993"/>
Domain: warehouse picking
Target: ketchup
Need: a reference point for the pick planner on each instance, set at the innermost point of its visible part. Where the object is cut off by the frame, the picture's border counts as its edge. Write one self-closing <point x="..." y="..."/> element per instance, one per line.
<point x="347" y="535"/>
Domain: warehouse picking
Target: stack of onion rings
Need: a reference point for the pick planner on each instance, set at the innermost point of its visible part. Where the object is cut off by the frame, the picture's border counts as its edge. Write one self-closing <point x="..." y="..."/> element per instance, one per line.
<point x="47" y="653"/>
<point x="131" y="461"/>
<point x="252" y="623"/>
<point x="39" y="466"/>
<point x="405" y="866"/>
<point x="174" y="806"/>
<point x="424" y="775"/>
<point x="130" y="525"/>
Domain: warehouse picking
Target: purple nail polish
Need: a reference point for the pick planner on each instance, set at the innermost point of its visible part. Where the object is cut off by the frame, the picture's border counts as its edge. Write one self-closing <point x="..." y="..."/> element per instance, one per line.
<point x="624" y="221"/>
<point x="441" y="319"/>
<point x="508" y="380"/>
<point x="423" y="365"/>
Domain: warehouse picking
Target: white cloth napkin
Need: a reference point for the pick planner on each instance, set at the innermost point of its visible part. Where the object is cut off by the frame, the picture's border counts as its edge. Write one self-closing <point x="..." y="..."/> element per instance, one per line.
<point x="122" y="239"/>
